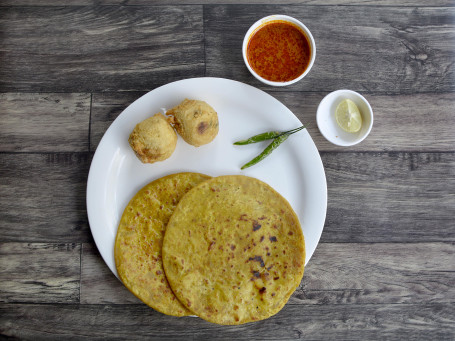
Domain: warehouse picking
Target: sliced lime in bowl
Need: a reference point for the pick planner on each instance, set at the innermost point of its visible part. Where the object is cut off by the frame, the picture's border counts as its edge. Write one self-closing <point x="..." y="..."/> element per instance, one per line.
<point x="348" y="116"/>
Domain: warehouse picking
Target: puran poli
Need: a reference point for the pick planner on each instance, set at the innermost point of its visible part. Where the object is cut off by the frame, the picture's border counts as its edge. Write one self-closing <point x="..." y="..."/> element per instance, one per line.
<point x="233" y="251"/>
<point x="139" y="240"/>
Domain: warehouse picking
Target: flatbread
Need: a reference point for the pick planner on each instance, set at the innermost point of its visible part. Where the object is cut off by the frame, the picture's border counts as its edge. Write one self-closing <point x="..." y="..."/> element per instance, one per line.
<point x="233" y="251"/>
<point x="139" y="240"/>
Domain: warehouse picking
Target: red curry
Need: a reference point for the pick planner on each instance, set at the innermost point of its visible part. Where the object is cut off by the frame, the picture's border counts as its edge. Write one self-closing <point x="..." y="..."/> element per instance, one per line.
<point x="279" y="51"/>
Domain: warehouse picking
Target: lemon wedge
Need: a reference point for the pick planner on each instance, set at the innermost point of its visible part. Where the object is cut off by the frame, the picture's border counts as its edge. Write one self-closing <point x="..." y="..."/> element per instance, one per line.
<point x="348" y="116"/>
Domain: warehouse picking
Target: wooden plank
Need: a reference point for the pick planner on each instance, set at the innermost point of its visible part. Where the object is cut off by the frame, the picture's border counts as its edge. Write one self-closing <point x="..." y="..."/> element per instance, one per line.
<point x="390" y="197"/>
<point x="44" y="122"/>
<point x="397" y="50"/>
<point x="338" y="273"/>
<point x="43" y="197"/>
<point x="77" y="322"/>
<point x="402" y="122"/>
<point x="353" y="322"/>
<point x="347" y="273"/>
<point x="99" y="48"/>
<point x="396" y="3"/>
<point x="105" y="109"/>
<point x="414" y="123"/>
<point x="39" y="273"/>
<point x="317" y="322"/>
<point x="297" y="2"/>
<point x="98" y="283"/>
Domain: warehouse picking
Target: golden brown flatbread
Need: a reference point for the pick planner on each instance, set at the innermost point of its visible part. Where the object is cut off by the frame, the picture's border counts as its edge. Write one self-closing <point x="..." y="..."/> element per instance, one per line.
<point x="233" y="251"/>
<point x="139" y="240"/>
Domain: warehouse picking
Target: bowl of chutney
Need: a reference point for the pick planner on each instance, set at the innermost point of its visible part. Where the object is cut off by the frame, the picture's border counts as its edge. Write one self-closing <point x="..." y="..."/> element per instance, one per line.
<point x="279" y="50"/>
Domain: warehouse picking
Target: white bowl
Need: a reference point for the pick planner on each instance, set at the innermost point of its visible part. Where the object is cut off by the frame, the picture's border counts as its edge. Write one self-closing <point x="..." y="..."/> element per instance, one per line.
<point x="328" y="126"/>
<point x="278" y="17"/>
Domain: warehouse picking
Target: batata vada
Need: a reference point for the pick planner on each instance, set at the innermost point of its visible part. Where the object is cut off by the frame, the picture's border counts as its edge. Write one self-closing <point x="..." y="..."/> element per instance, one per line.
<point x="196" y="121"/>
<point x="153" y="139"/>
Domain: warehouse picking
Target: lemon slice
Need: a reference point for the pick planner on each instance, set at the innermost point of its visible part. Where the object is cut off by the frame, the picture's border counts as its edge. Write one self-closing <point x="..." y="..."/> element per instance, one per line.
<point x="348" y="116"/>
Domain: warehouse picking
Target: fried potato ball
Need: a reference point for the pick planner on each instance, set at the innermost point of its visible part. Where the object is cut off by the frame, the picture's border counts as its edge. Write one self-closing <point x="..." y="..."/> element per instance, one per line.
<point x="196" y="121"/>
<point x="153" y="139"/>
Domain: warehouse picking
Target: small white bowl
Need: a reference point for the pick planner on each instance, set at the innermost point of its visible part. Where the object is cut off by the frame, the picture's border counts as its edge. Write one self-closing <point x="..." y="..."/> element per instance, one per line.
<point x="328" y="126"/>
<point x="278" y="17"/>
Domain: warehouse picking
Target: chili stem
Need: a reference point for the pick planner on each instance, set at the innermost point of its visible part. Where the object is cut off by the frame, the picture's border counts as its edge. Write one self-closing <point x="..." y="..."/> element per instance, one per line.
<point x="278" y="138"/>
<point x="267" y="136"/>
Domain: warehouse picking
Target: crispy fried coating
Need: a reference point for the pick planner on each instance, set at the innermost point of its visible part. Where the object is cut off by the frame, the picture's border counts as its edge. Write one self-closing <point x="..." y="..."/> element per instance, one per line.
<point x="153" y="139"/>
<point x="196" y="121"/>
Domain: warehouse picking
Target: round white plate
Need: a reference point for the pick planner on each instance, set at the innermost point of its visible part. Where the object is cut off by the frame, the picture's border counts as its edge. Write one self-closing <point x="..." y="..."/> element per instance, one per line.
<point x="294" y="169"/>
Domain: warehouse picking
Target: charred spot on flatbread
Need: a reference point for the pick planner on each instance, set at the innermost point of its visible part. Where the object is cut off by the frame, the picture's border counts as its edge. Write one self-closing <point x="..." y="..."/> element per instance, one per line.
<point x="227" y="285"/>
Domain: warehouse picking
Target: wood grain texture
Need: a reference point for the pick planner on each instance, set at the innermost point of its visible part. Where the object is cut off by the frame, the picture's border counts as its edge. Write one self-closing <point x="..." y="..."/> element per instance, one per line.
<point x="295" y="2"/>
<point x="385" y="50"/>
<point x="40" y="273"/>
<point x="434" y="3"/>
<point x="44" y="122"/>
<point x="410" y="123"/>
<point x="317" y="322"/>
<point x="349" y="273"/>
<point x="346" y="322"/>
<point x="43" y="197"/>
<point x="338" y="273"/>
<point x="98" y="284"/>
<point x="105" y="109"/>
<point x="99" y="48"/>
<point x="390" y="197"/>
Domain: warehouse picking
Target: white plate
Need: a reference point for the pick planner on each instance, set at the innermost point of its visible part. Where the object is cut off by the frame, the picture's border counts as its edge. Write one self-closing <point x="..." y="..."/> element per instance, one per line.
<point x="295" y="169"/>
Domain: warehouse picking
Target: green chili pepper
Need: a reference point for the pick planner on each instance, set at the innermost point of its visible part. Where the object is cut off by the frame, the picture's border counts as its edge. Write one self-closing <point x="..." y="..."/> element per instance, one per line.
<point x="267" y="151"/>
<point x="278" y="138"/>
<point x="267" y="136"/>
<point x="258" y="138"/>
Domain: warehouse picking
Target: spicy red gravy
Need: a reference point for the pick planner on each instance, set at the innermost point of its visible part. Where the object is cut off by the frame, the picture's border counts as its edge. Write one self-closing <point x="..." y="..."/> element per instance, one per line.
<point x="279" y="51"/>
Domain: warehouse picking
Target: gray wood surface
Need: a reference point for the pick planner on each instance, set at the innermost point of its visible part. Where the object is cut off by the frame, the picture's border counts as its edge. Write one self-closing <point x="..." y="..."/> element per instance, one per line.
<point x="405" y="3"/>
<point x="387" y="50"/>
<point x="43" y="197"/>
<point x="385" y="265"/>
<point x="48" y="122"/>
<point x="119" y="322"/>
<point x="99" y="48"/>
<point x="40" y="273"/>
<point x="393" y="197"/>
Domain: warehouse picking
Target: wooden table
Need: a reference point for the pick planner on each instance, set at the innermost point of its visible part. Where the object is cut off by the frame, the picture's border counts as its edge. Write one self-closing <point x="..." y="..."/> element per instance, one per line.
<point x="385" y="265"/>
